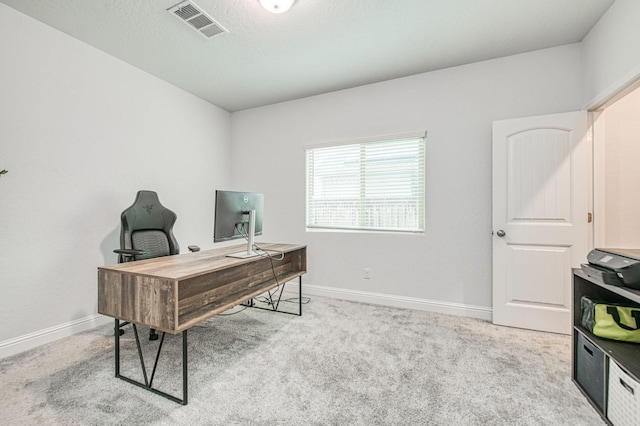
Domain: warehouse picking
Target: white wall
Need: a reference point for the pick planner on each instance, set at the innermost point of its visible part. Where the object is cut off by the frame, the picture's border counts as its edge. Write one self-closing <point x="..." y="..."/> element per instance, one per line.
<point x="451" y="264"/>
<point x="81" y="133"/>
<point x="611" y="56"/>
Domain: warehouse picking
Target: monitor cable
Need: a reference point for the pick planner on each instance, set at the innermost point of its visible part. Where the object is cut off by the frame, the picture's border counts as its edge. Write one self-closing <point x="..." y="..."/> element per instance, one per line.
<point x="265" y="253"/>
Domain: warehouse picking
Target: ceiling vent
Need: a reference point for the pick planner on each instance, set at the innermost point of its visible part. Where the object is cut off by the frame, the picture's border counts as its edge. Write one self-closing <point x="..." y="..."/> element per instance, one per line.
<point x="188" y="12"/>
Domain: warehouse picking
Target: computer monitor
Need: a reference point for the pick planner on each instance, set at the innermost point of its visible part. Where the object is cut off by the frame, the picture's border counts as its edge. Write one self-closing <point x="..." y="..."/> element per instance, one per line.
<point x="238" y="215"/>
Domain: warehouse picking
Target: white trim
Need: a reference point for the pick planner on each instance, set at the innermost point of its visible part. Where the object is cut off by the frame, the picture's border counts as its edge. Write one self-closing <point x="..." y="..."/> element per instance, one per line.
<point x="591" y="116"/>
<point x="629" y="82"/>
<point x="385" y="138"/>
<point x="479" y="312"/>
<point x="51" y="334"/>
<point x="599" y="119"/>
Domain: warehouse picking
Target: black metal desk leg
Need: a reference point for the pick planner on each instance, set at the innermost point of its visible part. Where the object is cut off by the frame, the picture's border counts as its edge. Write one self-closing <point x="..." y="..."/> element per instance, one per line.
<point x="116" y="333"/>
<point x="184" y="368"/>
<point x="148" y="384"/>
<point x="300" y="295"/>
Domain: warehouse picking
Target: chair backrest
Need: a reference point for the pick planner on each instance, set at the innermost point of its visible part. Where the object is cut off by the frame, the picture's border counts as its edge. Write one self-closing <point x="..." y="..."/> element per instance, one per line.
<point x="148" y="225"/>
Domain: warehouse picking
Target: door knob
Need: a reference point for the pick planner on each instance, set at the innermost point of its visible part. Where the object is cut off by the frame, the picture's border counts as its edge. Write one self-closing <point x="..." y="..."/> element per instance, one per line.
<point x="501" y="233"/>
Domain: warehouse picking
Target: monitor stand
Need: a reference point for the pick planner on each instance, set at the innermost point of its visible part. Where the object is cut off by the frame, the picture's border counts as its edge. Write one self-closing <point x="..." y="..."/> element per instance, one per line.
<point x="252" y="234"/>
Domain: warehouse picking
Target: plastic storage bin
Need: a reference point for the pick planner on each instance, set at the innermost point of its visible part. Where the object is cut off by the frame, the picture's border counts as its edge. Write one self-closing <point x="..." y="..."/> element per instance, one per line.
<point x="590" y="370"/>
<point x="623" y="405"/>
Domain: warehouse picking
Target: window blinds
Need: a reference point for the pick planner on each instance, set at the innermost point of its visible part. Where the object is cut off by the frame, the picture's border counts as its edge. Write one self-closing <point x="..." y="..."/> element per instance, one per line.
<point x="377" y="186"/>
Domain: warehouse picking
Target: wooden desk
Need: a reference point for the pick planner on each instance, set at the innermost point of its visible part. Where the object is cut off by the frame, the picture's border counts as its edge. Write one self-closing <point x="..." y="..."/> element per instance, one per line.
<point x="174" y="293"/>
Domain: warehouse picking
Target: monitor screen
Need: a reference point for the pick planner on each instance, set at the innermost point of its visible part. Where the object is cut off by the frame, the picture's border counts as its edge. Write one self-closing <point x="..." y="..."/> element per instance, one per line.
<point x="232" y="214"/>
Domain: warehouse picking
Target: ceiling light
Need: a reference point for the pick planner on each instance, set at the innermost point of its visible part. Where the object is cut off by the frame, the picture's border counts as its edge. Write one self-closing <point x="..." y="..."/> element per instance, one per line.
<point x="277" y="6"/>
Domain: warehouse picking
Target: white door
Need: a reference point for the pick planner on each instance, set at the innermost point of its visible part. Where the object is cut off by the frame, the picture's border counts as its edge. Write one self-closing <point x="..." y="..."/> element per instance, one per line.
<point x="540" y="229"/>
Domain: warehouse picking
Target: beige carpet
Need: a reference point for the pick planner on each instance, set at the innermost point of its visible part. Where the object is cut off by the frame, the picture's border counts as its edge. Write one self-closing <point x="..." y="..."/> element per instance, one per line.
<point x="341" y="363"/>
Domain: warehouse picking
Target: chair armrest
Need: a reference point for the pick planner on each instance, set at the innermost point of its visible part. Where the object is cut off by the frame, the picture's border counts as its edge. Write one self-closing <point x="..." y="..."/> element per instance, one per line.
<point x="193" y="248"/>
<point x="129" y="252"/>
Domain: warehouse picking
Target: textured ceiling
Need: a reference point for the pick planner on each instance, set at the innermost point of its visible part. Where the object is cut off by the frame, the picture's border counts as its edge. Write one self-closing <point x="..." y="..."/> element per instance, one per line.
<point x="316" y="47"/>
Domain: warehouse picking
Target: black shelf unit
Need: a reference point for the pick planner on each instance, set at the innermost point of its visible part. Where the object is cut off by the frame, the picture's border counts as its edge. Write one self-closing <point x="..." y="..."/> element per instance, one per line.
<point x="626" y="355"/>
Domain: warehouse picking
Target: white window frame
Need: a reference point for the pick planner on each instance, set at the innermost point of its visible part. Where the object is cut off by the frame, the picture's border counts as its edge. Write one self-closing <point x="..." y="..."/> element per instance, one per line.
<point x="366" y="213"/>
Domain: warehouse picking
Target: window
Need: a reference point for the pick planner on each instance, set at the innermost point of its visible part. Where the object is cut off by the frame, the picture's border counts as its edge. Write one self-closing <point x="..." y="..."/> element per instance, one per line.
<point x="372" y="185"/>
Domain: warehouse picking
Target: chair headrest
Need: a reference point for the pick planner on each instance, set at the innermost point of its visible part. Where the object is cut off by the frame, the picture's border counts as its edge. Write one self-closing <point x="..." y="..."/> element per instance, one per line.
<point x="147" y="212"/>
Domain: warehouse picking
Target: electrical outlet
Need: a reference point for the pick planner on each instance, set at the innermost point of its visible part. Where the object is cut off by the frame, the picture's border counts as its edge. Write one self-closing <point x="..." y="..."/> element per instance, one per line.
<point x="367" y="273"/>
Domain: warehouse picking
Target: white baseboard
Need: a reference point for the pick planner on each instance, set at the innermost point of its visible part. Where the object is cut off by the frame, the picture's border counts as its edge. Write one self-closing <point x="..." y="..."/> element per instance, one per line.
<point x="51" y="334"/>
<point x="479" y="312"/>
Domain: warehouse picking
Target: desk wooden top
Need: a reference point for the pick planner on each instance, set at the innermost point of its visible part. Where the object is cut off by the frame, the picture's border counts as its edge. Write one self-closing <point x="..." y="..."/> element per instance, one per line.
<point x="173" y="293"/>
<point x="182" y="266"/>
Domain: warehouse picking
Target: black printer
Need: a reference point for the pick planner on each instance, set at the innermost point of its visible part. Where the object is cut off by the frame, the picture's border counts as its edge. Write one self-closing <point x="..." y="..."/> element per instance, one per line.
<point x="619" y="267"/>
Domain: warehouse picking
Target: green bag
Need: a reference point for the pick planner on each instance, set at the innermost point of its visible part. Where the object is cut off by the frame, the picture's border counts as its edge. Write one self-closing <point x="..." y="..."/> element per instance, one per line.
<point x="611" y="321"/>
